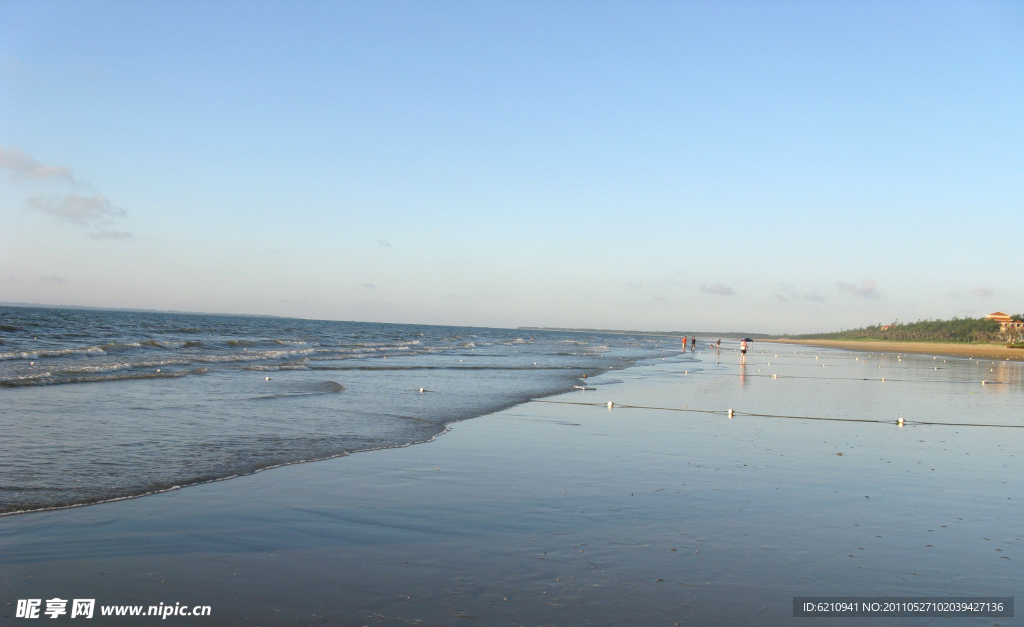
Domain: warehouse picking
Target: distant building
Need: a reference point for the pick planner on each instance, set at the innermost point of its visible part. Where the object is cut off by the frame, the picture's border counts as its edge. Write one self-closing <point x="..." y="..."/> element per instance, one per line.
<point x="1005" y="322"/>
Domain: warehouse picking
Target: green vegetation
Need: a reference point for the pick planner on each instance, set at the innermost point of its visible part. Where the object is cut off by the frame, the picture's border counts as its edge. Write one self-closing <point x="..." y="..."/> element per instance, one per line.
<point x="955" y="330"/>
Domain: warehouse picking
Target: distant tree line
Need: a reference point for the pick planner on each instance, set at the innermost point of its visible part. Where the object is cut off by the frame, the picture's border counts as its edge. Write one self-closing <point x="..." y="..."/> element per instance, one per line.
<point x="955" y="330"/>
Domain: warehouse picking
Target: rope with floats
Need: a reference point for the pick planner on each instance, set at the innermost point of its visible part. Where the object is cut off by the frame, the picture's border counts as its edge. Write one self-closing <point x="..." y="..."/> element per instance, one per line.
<point x="730" y="413"/>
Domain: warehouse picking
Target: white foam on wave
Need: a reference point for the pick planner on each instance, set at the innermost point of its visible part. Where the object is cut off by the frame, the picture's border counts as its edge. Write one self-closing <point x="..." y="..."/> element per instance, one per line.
<point x="64" y="352"/>
<point x="25" y="378"/>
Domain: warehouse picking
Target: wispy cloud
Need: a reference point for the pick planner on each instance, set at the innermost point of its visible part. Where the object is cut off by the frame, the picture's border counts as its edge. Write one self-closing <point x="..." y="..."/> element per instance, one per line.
<point x="982" y="292"/>
<point x="19" y="165"/>
<point x="53" y="278"/>
<point x="788" y="292"/>
<point x="369" y="286"/>
<point x="867" y="289"/>
<point x="384" y="243"/>
<point x="785" y="298"/>
<point x="84" y="206"/>
<point x="92" y="209"/>
<point x="718" y="288"/>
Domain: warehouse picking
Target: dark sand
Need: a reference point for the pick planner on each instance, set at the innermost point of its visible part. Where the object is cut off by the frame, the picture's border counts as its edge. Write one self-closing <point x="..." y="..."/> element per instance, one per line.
<point x="549" y="514"/>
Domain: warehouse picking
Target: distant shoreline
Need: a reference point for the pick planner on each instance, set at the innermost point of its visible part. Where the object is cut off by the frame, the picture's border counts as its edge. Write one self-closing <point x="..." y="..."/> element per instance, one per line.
<point x="705" y="334"/>
<point x="990" y="351"/>
<point x="135" y="310"/>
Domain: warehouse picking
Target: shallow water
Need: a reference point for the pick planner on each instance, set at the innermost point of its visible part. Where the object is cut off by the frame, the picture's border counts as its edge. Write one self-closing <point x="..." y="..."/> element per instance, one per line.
<point x="565" y="514"/>
<point x="99" y="405"/>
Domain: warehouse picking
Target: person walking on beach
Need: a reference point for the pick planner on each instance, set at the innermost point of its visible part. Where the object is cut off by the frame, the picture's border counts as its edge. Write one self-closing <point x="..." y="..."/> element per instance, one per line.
<point x="743" y="352"/>
<point x="684" y="343"/>
<point x="693" y="344"/>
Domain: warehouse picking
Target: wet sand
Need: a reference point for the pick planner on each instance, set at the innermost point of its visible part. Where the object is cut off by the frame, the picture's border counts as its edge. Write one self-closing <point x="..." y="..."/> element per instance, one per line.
<point x="563" y="514"/>
<point x="988" y="351"/>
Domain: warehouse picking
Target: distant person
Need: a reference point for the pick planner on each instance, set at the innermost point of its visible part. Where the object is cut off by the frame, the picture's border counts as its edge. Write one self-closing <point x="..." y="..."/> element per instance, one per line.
<point x="684" y="343"/>
<point x="693" y="344"/>
<point x="743" y="351"/>
<point x="719" y="345"/>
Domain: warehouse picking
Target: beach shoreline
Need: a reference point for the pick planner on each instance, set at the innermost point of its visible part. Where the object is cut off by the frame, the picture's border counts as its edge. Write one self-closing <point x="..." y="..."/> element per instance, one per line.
<point x="569" y="512"/>
<point x="990" y="351"/>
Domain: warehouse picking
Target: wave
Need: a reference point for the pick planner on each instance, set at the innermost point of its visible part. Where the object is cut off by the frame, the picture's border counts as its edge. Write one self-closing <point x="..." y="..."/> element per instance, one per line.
<point x="160" y="363"/>
<point x="291" y="389"/>
<point x="24" y="379"/>
<point x="254" y="356"/>
<point x="276" y="367"/>
<point x="159" y="489"/>
<point x="64" y="352"/>
<point x="49" y="379"/>
<point x="94" y="369"/>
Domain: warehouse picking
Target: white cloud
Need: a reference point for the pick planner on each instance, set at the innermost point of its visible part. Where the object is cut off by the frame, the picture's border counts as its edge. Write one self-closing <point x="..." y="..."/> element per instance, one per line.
<point x="384" y="243"/>
<point x="867" y="289"/>
<point x="85" y="209"/>
<point x="982" y="292"/>
<point x="718" y="288"/>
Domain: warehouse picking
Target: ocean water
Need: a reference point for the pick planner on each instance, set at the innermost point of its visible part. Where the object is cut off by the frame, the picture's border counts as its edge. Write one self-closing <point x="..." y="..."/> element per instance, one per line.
<point x="102" y="405"/>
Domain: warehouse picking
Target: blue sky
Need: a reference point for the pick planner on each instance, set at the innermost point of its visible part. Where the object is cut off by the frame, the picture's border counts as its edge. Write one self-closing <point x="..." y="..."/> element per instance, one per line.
<point x="765" y="166"/>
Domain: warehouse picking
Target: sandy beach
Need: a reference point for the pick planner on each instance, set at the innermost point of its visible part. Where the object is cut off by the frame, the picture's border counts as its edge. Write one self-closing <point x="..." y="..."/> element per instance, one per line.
<point x="988" y="351"/>
<point x="558" y="513"/>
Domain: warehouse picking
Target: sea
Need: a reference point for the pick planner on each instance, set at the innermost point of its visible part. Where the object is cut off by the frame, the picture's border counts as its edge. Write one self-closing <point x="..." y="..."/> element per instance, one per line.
<point x="97" y="405"/>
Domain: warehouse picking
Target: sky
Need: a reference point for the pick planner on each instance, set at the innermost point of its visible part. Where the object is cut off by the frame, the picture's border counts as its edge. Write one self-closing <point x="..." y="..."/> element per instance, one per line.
<point x="777" y="167"/>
